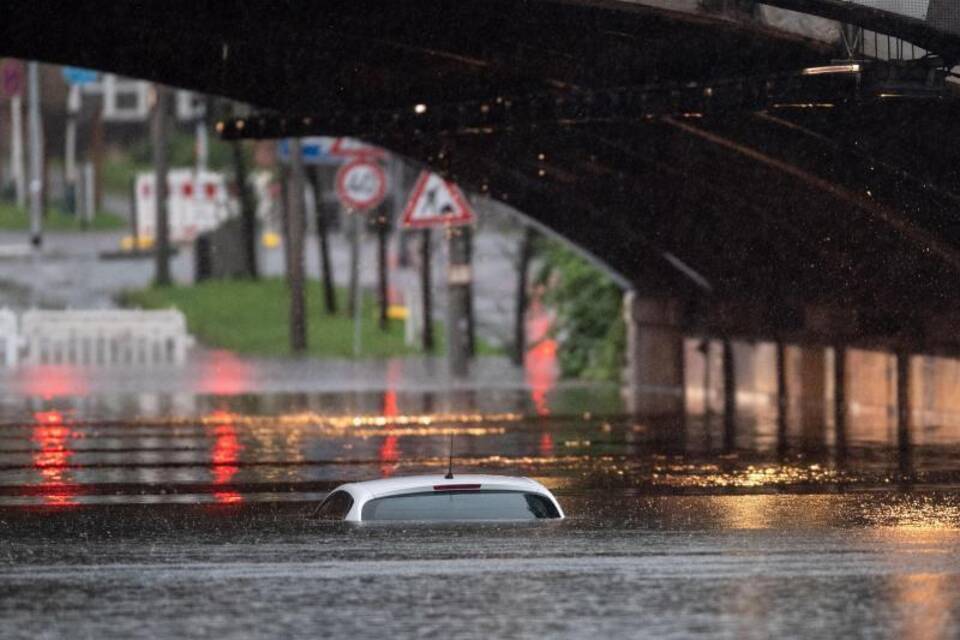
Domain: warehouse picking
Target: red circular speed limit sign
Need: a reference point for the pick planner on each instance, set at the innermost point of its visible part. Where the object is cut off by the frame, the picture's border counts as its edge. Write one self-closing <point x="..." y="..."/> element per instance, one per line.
<point x="361" y="184"/>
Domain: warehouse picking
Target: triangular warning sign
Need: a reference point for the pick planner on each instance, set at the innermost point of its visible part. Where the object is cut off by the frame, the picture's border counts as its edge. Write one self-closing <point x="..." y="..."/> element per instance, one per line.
<point x="436" y="202"/>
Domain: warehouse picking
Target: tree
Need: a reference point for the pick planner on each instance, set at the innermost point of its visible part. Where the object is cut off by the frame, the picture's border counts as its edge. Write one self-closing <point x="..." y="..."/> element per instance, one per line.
<point x="589" y="323"/>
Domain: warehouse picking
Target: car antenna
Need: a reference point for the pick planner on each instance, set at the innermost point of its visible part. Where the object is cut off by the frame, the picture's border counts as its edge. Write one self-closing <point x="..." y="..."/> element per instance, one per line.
<point x="449" y="475"/>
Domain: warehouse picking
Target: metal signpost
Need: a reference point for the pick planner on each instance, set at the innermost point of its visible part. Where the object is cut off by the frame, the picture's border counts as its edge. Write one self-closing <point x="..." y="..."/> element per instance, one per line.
<point x="436" y="202"/>
<point x="361" y="186"/>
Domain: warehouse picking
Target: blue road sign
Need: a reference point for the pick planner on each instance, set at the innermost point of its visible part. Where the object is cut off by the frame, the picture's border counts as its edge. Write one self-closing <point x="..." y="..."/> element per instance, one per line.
<point x="315" y="150"/>
<point x="326" y="150"/>
<point x="78" y="76"/>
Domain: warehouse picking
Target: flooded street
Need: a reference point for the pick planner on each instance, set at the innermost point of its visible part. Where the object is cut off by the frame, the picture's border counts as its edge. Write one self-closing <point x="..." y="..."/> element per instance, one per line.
<point x="676" y="284"/>
<point x="200" y="525"/>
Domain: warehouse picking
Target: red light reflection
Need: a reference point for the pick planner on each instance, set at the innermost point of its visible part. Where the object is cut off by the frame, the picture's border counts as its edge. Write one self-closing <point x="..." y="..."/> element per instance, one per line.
<point x="540" y="363"/>
<point x="223" y="373"/>
<point x="389" y="452"/>
<point x="546" y="445"/>
<point x="53" y="437"/>
<point x="49" y="381"/>
<point x="224" y="456"/>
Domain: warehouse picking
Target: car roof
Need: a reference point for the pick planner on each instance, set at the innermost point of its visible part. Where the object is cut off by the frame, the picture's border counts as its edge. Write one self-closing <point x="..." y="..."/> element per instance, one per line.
<point x="412" y="484"/>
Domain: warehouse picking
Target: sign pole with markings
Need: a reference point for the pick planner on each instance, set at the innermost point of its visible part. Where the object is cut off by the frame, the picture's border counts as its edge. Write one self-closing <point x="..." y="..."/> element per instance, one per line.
<point x="361" y="186"/>
<point x="436" y="202"/>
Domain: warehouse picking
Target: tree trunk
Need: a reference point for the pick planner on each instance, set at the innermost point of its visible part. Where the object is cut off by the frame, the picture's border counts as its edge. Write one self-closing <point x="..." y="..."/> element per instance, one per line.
<point x="520" y="313"/>
<point x="294" y="224"/>
<point x="323" y="235"/>
<point x="248" y="212"/>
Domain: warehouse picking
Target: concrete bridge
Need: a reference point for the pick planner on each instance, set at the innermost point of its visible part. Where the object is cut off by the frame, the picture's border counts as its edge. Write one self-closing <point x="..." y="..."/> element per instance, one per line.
<point x="783" y="171"/>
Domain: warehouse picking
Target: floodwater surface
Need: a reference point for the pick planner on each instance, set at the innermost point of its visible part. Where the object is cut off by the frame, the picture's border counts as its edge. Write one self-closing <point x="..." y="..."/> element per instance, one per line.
<point x="201" y="526"/>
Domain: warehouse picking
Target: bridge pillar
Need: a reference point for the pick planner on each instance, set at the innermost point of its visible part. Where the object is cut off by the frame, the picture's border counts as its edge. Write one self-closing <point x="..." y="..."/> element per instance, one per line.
<point x="904" y="405"/>
<point x="783" y="397"/>
<point x="729" y="397"/>
<point x="813" y="386"/>
<point x="840" y="400"/>
<point x="655" y="356"/>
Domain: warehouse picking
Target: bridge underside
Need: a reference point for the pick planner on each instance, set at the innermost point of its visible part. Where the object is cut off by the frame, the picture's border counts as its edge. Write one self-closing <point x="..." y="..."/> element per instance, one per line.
<point x="783" y="204"/>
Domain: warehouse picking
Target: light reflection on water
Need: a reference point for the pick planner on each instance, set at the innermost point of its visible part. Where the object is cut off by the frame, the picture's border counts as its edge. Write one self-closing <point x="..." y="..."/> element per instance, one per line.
<point x="236" y="457"/>
<point x="52" y="459"/>
<point x="234" y="449"/>
<point x="224" y="457"/>
<point x="668" y="531"/>
<point x="924" y="602"/>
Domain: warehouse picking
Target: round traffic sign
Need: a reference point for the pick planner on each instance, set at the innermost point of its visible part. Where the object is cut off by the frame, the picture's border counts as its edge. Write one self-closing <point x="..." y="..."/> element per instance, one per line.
<point x="11" y="78"/>
<point x="361" y="184"/>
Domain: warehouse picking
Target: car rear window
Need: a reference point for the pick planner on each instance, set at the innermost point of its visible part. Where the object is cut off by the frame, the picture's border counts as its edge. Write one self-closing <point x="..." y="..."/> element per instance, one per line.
<point x="461" y="505"/>
<point x="336" y="506"/>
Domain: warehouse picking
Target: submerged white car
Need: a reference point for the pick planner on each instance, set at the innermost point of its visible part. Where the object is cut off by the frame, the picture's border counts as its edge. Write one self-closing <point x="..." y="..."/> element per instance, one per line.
<point x="434" y="498"/>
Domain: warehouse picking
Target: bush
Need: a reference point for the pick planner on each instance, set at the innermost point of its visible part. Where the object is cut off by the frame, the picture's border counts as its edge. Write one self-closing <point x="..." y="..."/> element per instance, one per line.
<point x="589" y="326"/>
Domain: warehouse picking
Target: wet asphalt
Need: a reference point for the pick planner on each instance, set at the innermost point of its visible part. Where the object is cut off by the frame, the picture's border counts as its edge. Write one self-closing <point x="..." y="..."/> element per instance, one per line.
<point x="200" y="526"/>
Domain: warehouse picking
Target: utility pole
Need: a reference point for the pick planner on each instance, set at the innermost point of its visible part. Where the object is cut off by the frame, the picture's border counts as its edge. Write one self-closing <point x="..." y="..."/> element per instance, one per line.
<point x="295" y="229"/>
<point x="35" y="134"/>
<point x="160" y="164"/>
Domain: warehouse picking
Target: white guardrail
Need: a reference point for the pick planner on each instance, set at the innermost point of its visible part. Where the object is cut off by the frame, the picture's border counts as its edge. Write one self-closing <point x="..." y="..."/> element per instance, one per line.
<point x="9" y="340"/>
<point x="109" y="337"/>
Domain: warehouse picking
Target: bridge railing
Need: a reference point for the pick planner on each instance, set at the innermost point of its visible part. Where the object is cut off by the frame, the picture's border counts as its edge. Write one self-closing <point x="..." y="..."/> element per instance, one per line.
<point x="942" y="14"/>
